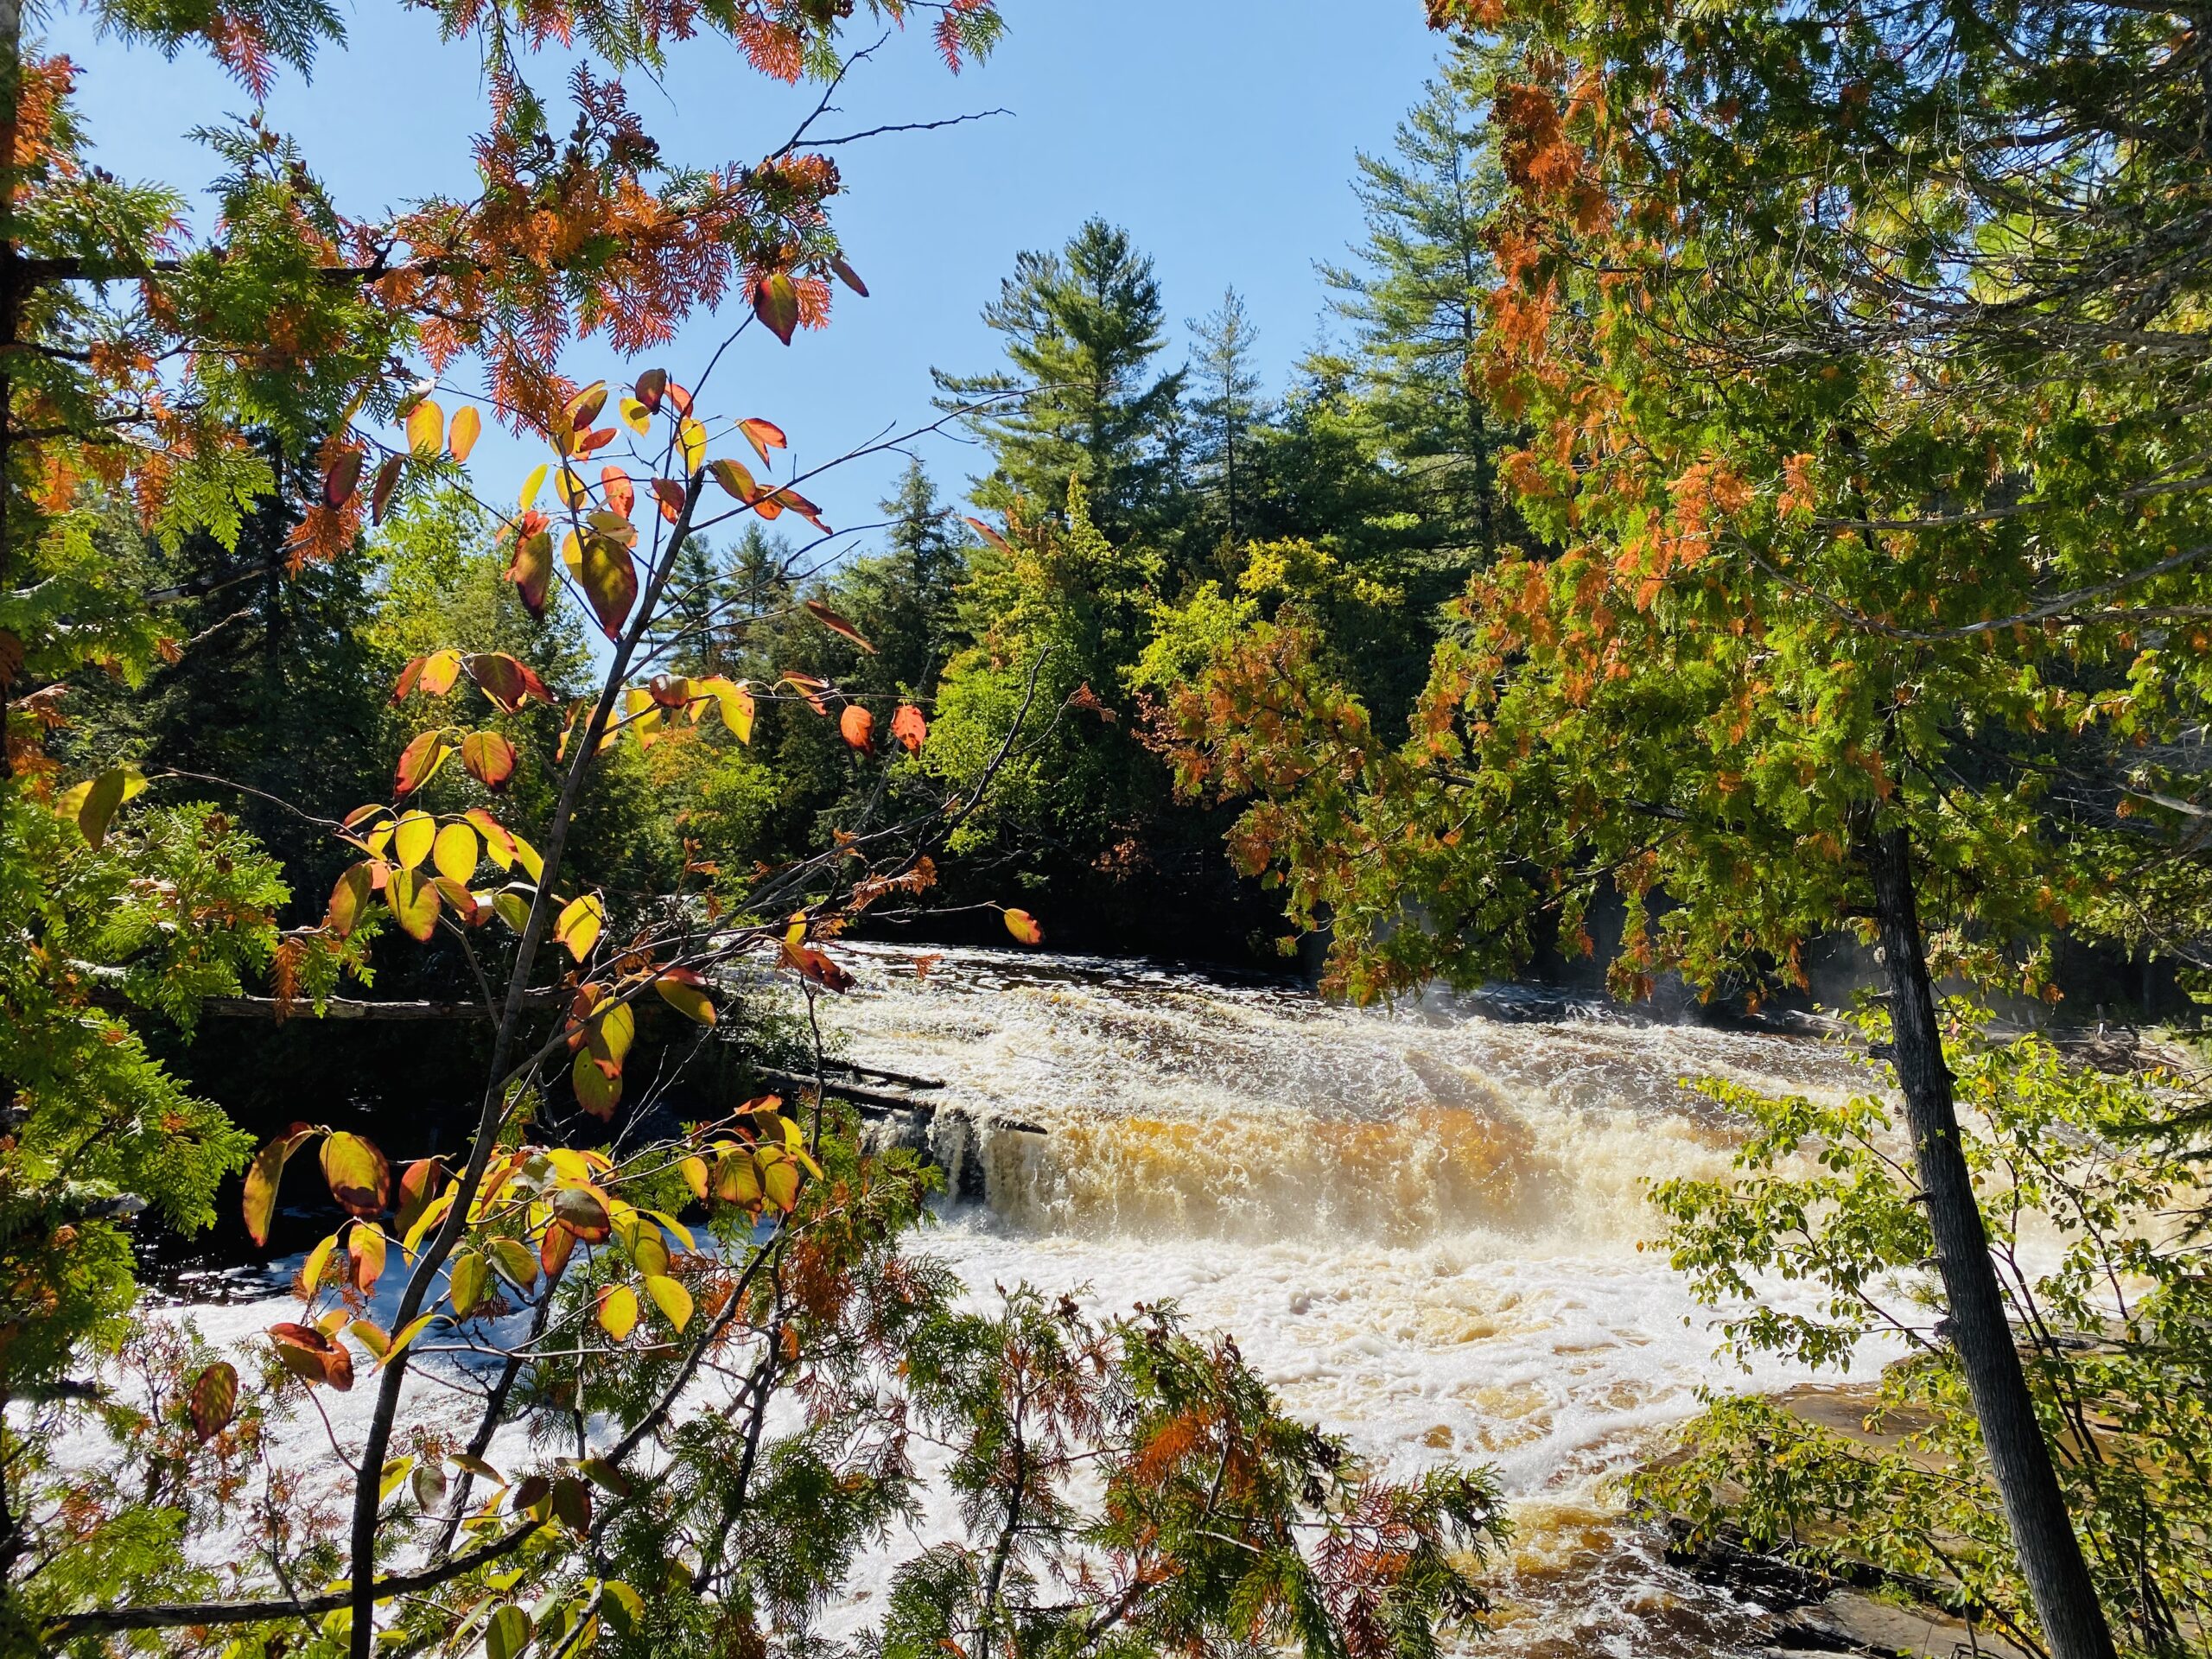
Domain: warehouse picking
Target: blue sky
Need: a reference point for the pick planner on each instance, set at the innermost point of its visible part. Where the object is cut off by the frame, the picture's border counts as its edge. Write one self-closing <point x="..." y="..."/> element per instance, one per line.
<point x="1221" y="132"/>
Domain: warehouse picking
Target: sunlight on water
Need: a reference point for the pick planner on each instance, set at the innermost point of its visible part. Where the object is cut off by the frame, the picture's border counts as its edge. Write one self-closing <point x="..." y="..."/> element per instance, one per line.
<point x="1422" y="1224"/>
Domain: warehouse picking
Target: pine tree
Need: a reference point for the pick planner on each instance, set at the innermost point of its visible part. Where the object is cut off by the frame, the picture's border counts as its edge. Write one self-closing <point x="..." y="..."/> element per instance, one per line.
<point x="1414" y="300"/>
<point x="1229" y="404"/>
<point x="1082" y="326"/>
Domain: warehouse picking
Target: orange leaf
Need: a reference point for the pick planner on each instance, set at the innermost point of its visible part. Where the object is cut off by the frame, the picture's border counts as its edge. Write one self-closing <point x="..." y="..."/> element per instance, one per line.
<point x="763" y="436"/>
<point x="468" y="425"/>
<point x="489" y="757"/>
<point x="620" y="494"/>
<point x="857" y="727"/>
<point x="1023" y="927"/>
<point x="836" y="624"/>
<point x="531" y="571"/>
<point x="670" y="495"/>
<point x="908" y="727"/>
<point x="420" y="760"/>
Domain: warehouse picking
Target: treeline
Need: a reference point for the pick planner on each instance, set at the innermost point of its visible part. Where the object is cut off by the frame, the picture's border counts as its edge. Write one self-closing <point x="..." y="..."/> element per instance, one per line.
<point x="1138" y="508"/>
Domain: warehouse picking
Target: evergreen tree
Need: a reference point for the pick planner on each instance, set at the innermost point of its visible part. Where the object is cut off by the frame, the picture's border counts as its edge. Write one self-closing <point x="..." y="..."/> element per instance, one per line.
<point x="1228" y="407"/>
<point x="1414" y="297"/>
<point x="1081" y="328"/>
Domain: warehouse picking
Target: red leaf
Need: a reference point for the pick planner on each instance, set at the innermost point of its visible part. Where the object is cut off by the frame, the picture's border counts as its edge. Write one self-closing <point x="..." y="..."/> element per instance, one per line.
<point x="489" y="757"/>
<point x="989" y="535"/>
<point x="531" y="571"/>
<point x="380" y="491"/>
<point x="340" y="482"/>
<point x="312" y="1357"/>
<point x="420" y="760"/>
<point x="848" y="276"/>
<point x="408" y="676"/>
<point x="763" y="436"/>
<point x="670" y="495"/>
<point x="213" y="1401"/>
<point x="836" y="624"/>
<point x="651" y="387"/>
<point x="775" y="302"/>
<point x="908" y="727"/>
<point x="621" y="495"/>
<point x="508" y="681"/>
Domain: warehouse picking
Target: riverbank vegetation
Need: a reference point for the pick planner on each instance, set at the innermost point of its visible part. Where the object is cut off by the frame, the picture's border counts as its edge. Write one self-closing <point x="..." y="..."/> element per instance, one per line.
<point x="1750" y="510"/>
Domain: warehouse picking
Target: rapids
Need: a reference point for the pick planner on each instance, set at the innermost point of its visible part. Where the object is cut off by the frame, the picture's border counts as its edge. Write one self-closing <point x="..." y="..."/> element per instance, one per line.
<point x="1422" y="1225"/>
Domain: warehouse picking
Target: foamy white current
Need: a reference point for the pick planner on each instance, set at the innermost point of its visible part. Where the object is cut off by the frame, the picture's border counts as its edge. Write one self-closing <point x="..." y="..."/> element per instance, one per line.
<point x="1422" y="1224"/>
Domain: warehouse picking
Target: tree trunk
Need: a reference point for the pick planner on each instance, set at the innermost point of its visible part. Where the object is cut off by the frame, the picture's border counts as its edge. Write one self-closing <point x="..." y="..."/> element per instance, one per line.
<point x="2042" y="1534"/>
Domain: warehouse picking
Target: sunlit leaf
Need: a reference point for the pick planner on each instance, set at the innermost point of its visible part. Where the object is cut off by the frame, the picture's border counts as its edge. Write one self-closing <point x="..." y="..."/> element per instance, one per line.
<point x="317" y="1264"/>
<point x="636" y="416"/>
<point x="909" y="729"/>
<point x="213" y="1401"/>
<point x="811" y="965"/>
<point x="467" y="427"/>
<point x="531" y="486"/>
<point x="456" y="851"/>
<point x="736" y="1181"/>
<point x="413" y="901"/>
<point x="507" y="681"/>
<point x="489" y="757"/>
<point x="612" y="1031"/>
<point x="412" y="840"/>
<point x="763" y="436"/>
<point x="465" y="1280"/>
<point x="694" y="1171"/>
<point x="349" y="899"/>
<point x="366" y="1247"/>
<point x="618" y="1311"/>
<point x="836" y="624"/>
<point x="583" y="408"/>
<point x="610" y="582"/>
<point x="649" y="1251"/>
<point x="440" y="673"/>
<point x="577" y="929"/>
<point x="685" y="992"/>
<point x="734" y="702"/>
<point x="1023" y="927"/>
<point x="626" y="1608"/>
<point x="555" y="1246"/>
<point x="417" y="1183"/>
<point x="583" y="1212"/>
<point x="426" y="428"/>
<point x="673" y="1300"/>
<point x="569" y="485"/>
<point x="359" y="1177"/>
<point x="651" y="386"/>
<point x="857" y="727"/>
<point x="420" y="760"/>
<point x="733" y="479"/>
<point x="312" y="1357"/>
<point x="848" y="276"/>
<point x="515" y="1264"/>
<point x="779" y="1182"/>
<point x="498" y="843"/>
<point x="670" y="496"/>
<point x="775" y="302"/>
<point x="597" y="1092"/>
<point x="616" y="491"/>
<point x="691" y="437"/>
<point x="374" y="1337"/>
<point x="511" y="908"/>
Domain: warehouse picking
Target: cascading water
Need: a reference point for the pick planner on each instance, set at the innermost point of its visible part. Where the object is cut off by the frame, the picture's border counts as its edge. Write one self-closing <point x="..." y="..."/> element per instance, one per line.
<point x="1422" y="1224"/>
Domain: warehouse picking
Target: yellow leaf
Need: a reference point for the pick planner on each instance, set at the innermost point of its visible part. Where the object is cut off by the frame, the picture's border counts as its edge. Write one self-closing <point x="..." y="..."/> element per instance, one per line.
<point x="532" y="484"/>
<point x="693" y="437"/>
<point x="578" y="928"/>
<point x="426" y="428"/>
<point x="637" y="416"/>
<point x="411" y="842"/>
<point x="618" y="1311"/>
<point x="671" y="1298"/>
<point x="456" y="852"/>
<point x="467" y="426"/>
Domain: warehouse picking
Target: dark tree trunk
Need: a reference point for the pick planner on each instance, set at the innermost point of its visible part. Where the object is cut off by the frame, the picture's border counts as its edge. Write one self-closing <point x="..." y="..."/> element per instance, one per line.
<point x="2042" y="1534"/>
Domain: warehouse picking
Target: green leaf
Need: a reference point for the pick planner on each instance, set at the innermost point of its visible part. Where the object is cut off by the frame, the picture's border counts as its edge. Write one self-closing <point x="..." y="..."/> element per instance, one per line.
<point x="507" y="1633"/>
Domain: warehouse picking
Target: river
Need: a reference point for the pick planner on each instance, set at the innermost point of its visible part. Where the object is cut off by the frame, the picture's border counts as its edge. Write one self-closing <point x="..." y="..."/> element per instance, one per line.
<point x="1422" y="1225"/>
